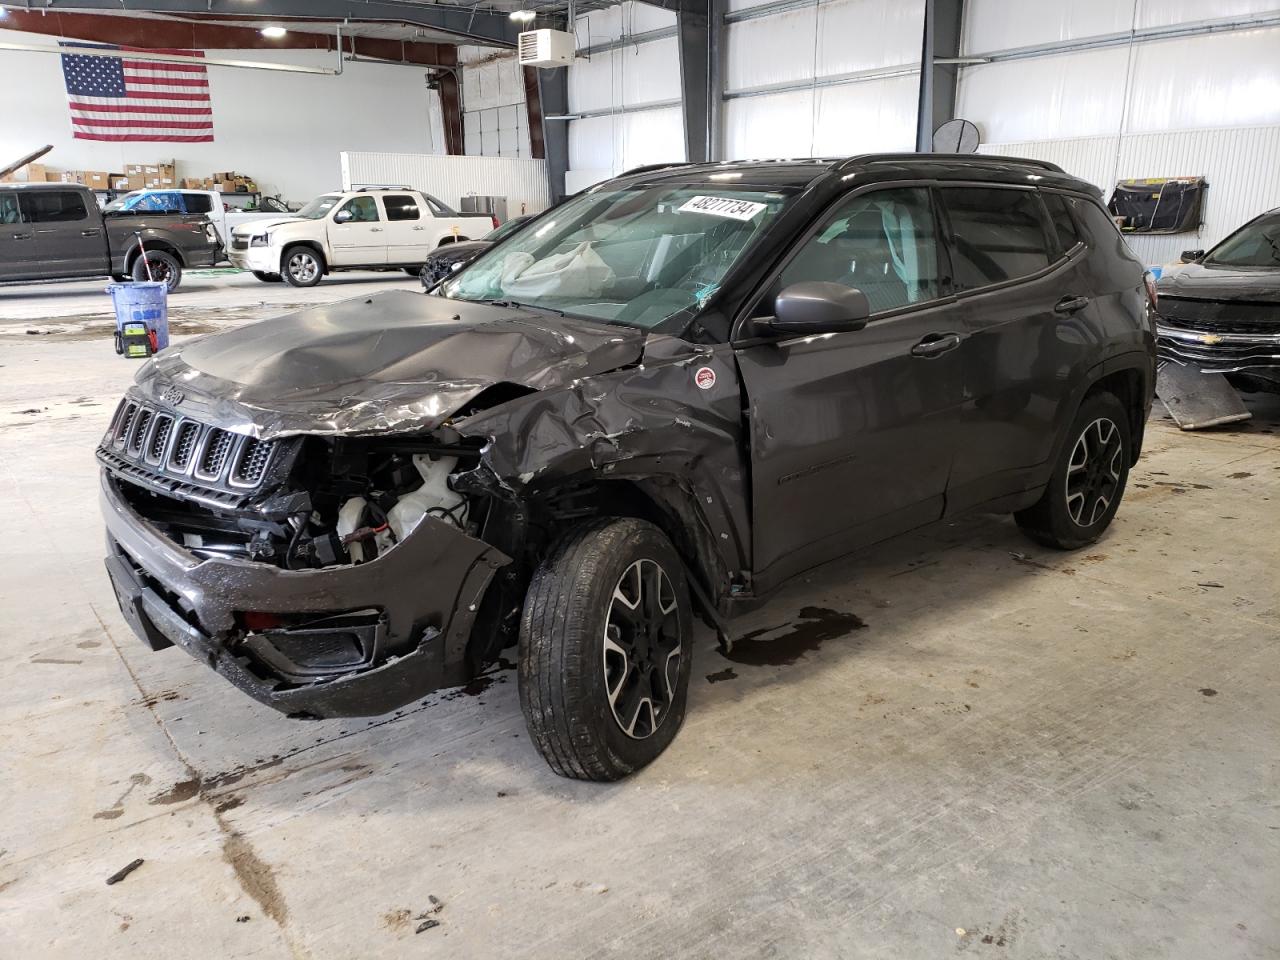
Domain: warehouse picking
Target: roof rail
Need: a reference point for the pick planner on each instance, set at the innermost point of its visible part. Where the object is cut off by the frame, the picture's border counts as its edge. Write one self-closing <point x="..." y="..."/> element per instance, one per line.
<point x="367" y="187"/>
<point x="649" y="167"/>
<point x="867" y="158"/>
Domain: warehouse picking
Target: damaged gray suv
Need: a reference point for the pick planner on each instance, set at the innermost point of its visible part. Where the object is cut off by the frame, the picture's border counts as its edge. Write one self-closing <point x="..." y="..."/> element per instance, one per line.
<point x="667" y="396"/>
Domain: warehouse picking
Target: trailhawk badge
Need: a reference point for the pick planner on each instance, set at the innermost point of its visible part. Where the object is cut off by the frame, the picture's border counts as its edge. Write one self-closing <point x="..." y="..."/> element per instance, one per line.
<point x="705" y="378"/>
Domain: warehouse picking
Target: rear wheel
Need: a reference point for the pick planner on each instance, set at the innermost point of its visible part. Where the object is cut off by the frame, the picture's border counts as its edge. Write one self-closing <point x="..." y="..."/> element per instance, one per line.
<point x="303" y="267"/>
<point x="605" y="650"/>
<point x="1088" y="481"/>
<point x="267" y="277"/>
<point x="164" y="268"/>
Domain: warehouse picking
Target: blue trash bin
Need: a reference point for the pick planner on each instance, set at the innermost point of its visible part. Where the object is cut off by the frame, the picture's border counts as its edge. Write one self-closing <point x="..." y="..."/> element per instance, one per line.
<point x="142" y="302"/>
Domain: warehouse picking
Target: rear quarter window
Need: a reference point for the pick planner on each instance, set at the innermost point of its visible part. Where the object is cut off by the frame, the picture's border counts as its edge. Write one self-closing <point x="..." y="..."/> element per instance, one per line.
<point x="996" y="235"/>
<point x="1064" y="225"/>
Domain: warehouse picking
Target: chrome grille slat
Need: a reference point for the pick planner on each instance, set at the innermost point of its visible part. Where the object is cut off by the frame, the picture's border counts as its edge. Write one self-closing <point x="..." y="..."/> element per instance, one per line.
<point x="184" y="446"/>
<point x="251" y="462"/>
<point x="138" y="435"/>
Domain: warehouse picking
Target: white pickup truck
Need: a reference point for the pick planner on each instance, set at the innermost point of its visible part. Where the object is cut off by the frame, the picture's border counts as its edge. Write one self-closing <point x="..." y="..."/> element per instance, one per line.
<point x="224" y="217"/>
<point x="358" y="230"/>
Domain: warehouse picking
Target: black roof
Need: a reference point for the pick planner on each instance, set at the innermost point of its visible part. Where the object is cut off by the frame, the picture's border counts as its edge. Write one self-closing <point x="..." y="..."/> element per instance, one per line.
<point x="17" y="184"/>
<point x="866" y="168"/>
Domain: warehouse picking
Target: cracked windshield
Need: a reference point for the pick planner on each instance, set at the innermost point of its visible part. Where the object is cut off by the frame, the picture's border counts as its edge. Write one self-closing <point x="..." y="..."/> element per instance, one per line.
<point x="636" y="257"/>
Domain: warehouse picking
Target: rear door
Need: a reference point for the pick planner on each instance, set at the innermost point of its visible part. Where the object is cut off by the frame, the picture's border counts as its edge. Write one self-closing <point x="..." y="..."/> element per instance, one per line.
<point x="69" y="237"/>
<point x="357" y="234"/>
<point x="852" y="434"/>
<point x="17" y="240"/>
<point x="1021" y="276"/>
<point x="408" y="241"/>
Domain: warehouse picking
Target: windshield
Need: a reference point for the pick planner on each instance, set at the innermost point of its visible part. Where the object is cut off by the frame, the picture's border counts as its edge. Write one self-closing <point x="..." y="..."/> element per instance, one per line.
<point x="317" y="208"/>
<point x="508" y="228"/>
<point x="1256" y="244"/>
<point x="635" y="256"/>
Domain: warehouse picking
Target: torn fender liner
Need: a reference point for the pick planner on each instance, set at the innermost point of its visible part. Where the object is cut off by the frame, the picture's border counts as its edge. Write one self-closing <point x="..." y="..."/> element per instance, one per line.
<point x="394" y="363"/>
<point x="428" y="589"/>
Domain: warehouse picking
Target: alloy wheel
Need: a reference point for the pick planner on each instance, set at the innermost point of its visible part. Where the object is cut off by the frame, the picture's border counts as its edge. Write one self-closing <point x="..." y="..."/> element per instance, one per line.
<point x="303" y="267"/>
<point x="642" y="649"/>
<point x="1093" y="473"/>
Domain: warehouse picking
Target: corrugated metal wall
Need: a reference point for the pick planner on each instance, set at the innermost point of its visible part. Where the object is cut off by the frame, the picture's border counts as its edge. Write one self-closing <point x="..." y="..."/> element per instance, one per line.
<point x="796" y="85"/>
<point x="1206" y="104"/>
<point x="495" y="119"/>
<point x="628" y="96"/>
<point x="522" y="182"/>
<point x="1239" y="164"/>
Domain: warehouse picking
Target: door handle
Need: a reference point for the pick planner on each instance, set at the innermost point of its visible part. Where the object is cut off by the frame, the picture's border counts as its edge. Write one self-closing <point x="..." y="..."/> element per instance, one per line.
<point x="23" y="236"/>
<point x="419" y="228"/>
<point x="1070" y="304"/>
<point x="88" y="233"/>
<point x="375" y="229"/>
<point x="936" y="344"/>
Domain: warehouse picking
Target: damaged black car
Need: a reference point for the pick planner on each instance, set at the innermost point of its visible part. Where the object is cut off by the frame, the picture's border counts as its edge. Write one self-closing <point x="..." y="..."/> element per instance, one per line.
<point x="663" y="399"/>
<point x="1220" y="314"/>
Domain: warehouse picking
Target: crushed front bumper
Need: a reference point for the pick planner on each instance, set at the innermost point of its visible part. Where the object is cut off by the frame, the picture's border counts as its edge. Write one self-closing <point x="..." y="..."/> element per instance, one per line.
<point x="370" y="638"/>
<point x="260" y="259"/>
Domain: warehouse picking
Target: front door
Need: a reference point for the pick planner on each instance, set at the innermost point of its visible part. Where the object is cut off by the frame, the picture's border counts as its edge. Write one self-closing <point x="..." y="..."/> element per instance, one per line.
<point x="358" y="235"/>
<point x="408" y="242"/>
<point x="69" y="239"/>
<point x="17" y="241"/>
<point x="852" y="434"/>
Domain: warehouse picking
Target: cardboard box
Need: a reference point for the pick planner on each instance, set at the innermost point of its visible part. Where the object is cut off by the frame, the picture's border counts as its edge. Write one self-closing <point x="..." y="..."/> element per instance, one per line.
<point x="120" y="183"/>
<point x="97" y="180"/>
<point x="133" y="170"/>
<point x="137" y="181"/>
<point x="226" y="186"/>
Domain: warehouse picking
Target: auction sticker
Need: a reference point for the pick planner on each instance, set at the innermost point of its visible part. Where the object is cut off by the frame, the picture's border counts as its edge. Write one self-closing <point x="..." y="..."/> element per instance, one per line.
<point x="724" y="207"/>
<point x="705" y="378"/>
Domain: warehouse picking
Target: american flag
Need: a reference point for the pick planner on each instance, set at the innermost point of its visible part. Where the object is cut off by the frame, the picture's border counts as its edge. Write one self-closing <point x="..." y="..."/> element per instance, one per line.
<point x="122" y="98"/>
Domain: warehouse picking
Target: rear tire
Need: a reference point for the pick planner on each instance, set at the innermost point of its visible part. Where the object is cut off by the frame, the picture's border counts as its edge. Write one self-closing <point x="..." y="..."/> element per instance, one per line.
<point x="1088" y="480"/>
<point x="303" y="267"/>
<point x="268" y="277"/>
<point x="165" y="269"/>
<point x="606" y="650"/>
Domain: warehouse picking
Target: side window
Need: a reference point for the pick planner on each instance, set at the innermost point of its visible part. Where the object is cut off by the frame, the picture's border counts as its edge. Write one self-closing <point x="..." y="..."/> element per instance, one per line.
<point x="9" y="209"/>
<point x="1096" y="221"/>
<point x="363" y="210"/>
<point x="880" y="242"/>
<point x="438" y="209"/>
<point x="197" y="203"/>
<point x="54" y="206"/>
<point x="996" y="235"/>
<point x="400" y="206"/>
<point x="1064" y="226"/>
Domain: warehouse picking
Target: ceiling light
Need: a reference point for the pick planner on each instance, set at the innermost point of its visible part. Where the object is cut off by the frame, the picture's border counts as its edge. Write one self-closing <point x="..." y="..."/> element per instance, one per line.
<point x="522" y="16"/>
<point x="274" y="33"/>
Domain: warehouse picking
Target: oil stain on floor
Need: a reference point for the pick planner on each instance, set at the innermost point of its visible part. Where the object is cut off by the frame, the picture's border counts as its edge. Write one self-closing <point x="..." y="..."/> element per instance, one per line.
<point x="769" y="647"/>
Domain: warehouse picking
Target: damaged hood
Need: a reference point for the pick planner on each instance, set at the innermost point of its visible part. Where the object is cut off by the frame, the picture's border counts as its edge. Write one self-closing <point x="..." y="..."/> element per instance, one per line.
<point x="1201" y="282"/>
<point x="395" y="362"/>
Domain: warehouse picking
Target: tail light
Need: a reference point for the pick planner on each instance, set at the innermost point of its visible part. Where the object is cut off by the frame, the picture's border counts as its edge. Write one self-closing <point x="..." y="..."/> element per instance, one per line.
<point x="496" y="224"/>
<point x="1152" y="296"/>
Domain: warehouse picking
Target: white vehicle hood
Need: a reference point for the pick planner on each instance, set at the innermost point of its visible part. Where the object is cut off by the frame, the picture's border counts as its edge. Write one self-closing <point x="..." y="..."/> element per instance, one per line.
<point x="257" y="226"/>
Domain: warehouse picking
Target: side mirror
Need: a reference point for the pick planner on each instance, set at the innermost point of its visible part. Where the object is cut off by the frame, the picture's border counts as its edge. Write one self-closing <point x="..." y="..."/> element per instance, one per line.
<point x="342" y="216"/>
<point x="1191" y="256"/>
<point x="817" y="306"/>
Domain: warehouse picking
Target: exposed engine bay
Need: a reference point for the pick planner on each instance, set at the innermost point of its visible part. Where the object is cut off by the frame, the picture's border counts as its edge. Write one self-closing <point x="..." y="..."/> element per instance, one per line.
<point x="340" y="501"/>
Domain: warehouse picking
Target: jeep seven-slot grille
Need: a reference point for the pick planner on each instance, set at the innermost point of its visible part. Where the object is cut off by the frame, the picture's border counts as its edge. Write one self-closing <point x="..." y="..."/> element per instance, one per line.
<point x="182" y="456"/>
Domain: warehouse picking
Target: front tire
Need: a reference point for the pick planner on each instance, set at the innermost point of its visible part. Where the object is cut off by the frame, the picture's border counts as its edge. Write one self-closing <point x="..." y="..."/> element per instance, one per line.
<point x="303" y="267"/>
<point x="165" y="269"/>
<point x="1088" y="480"/>
<point x="606" y="650"/>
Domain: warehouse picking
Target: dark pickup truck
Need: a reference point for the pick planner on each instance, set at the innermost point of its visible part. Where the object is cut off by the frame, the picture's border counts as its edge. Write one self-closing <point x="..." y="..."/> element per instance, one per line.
<point x="55" y="231"/>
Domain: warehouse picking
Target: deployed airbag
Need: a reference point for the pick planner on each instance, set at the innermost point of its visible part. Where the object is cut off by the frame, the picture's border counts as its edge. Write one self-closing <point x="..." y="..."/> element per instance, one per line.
<point x="576" y="273"/>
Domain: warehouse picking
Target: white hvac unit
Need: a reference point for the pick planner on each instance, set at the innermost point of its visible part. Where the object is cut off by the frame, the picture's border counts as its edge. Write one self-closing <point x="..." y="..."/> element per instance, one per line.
<point x="546" y="48"/>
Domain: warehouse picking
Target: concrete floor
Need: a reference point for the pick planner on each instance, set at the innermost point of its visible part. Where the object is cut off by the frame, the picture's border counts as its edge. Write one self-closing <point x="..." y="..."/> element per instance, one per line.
<point x="956" y="743"/>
